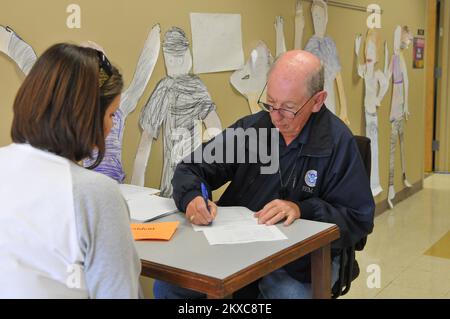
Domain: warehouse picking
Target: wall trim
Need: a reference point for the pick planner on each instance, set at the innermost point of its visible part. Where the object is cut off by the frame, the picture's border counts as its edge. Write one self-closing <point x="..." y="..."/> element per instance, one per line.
<point x="405" y="193"/>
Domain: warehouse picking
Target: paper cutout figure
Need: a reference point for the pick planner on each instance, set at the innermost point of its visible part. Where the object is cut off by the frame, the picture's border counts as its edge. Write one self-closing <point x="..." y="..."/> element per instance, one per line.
<point x="299" y="25"/>
<point x="111" y="164"/>
<point x="325" y="49"/>
<point x="279" y="31"/>
<point x="5" y="38"/>
<point x="399" y="104"/>
<point x="180" y="101"/>
<point x="376" y="86"/>
<point x="17" y="49"/>
<point x="251" y="79"/>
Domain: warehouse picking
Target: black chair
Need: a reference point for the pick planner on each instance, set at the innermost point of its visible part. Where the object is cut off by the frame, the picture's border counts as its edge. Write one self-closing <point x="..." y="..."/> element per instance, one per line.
<point x="349" y="268"/>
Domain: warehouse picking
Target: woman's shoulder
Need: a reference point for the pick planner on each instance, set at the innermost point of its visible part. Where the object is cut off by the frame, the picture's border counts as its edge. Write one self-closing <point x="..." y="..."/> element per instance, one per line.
<point x="87" y="183"/>
<point x="97" y="199"/>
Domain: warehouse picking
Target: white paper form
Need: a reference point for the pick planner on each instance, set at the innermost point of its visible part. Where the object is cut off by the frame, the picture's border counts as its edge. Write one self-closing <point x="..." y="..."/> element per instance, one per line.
<point x="236" y="225"/>
<point x="131" y="191"/>
<point x="230" y="216"/>
<point x="242" y="234"/>
<point x="217" y="42"/>
<point x="147" y="208"/>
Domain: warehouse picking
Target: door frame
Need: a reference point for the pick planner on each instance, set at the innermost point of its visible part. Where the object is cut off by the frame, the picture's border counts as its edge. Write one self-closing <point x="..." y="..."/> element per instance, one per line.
<point x="430" y="91"/>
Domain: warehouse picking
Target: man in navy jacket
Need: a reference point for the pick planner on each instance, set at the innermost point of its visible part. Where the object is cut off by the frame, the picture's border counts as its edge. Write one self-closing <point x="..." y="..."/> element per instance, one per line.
<point x="320" y="175"/>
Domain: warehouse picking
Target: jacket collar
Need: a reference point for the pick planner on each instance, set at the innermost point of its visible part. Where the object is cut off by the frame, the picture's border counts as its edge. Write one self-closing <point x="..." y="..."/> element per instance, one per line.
<point x="320" y="141"/>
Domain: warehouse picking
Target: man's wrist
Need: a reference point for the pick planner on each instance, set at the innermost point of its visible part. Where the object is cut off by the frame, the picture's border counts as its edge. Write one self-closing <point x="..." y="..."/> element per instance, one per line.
<point x="306" y="209"/>
<point x="187" y="198"/>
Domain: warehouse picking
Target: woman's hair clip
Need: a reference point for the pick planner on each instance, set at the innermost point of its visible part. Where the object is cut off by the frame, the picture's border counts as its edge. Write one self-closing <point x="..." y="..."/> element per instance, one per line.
<point x="105" y="68"/>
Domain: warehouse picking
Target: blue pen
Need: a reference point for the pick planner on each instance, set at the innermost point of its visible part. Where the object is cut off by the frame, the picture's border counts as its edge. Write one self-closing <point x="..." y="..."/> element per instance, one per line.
<point x="205" y="195"/>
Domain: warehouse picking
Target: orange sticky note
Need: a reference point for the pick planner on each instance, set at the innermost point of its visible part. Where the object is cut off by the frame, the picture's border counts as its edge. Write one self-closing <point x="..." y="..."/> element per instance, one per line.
<point x="160" y="231"/>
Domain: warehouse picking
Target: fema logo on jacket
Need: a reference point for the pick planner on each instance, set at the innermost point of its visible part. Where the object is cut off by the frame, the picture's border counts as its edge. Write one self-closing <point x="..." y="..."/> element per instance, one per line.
<point x="310" y="180"/>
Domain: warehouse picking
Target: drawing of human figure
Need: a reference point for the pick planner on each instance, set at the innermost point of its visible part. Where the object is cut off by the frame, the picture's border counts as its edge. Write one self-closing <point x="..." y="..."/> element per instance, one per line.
<point x="180" y="102"/>
<point x="376" y="85"/>
<point x="399" y="104"/>
<point x="251" y="79"/>
<point x="280" y="38"/>
<point x="299" y="25"/>
<point x="17" y="49"/>
<point x="325" y="49"/>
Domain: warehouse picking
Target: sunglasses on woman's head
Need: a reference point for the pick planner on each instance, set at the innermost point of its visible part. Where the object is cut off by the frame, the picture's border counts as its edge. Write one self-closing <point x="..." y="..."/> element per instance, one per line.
<point x="105" y="68"/>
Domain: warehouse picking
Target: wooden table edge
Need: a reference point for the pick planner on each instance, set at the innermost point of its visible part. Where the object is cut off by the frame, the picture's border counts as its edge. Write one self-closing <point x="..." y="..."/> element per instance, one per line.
<point x="220" y="288"/>
<point x="279" y="259"/>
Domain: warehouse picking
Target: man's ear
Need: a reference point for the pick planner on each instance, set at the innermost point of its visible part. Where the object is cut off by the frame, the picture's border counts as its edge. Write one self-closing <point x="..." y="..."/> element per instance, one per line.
<point x="319" y="101"/>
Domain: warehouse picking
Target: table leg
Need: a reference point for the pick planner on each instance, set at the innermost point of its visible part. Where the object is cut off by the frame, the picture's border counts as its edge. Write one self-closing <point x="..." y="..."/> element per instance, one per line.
<point x="321" y="273"/>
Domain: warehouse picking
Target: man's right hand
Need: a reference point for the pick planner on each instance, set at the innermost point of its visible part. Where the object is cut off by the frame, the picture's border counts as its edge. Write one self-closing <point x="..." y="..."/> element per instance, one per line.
<point x="198" y="214"/>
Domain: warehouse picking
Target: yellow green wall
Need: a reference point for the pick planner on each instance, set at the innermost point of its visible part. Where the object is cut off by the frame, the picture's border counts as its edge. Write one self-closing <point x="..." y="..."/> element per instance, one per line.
<point x="122" y="26"/>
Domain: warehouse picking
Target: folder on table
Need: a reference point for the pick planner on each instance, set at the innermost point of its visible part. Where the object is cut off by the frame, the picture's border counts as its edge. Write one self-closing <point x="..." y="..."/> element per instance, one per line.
<point x="157" y="231"/>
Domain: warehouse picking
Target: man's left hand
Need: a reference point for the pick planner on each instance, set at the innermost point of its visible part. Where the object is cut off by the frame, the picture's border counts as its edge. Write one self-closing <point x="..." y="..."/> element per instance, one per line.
<point x="278" y="210"/>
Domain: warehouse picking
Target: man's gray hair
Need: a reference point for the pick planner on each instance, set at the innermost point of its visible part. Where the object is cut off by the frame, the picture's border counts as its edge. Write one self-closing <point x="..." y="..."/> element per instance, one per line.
<point x="316" y="81"/>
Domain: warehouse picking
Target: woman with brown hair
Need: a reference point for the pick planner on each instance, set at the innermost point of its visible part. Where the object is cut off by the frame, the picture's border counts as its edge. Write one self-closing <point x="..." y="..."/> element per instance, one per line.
<point x="64" y="230"/>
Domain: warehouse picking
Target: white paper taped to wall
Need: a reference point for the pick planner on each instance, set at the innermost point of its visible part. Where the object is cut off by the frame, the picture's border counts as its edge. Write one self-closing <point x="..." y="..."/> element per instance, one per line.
<point x="217" y="42"/>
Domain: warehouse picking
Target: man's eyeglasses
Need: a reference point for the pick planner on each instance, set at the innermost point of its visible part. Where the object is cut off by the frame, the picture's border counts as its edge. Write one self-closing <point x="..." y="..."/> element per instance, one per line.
<point x="282" y="111"/>
<point x="105" y="68"/>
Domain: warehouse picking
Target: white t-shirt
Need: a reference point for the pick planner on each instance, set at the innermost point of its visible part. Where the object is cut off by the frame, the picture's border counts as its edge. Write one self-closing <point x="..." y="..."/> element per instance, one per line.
<point x="64" y="230"/>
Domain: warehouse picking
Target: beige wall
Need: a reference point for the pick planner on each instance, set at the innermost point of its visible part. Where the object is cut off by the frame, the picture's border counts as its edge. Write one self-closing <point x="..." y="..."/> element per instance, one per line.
<point x="121" y="27"/>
